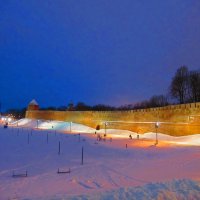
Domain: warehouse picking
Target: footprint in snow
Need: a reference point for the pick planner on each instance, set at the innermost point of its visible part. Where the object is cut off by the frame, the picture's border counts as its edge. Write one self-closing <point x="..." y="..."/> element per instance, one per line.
<point x="85" y="186"/>
<point x="96" y="184"/>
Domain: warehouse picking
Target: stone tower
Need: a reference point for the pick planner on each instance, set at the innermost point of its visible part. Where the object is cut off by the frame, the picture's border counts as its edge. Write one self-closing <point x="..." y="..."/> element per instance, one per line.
<point x="33" y="105"/>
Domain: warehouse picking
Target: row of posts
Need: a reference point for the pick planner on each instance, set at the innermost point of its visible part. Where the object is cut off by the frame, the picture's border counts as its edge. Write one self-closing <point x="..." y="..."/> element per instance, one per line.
<point x="59" y="143"/>
<point x="157" y="124"/>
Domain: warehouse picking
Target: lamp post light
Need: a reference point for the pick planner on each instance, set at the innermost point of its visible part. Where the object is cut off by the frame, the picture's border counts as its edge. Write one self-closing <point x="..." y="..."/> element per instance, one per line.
<point x="157" y="124"/>
<point x="37" y="123"/>
<point x="106" y="123"/>
<point x="70" y="126"/>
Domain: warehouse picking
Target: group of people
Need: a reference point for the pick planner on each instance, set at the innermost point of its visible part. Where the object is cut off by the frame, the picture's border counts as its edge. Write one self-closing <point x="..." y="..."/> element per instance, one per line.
<point x="130" y="136"/>
<point x="100" y="137"/>
<point x="5" y="125"/>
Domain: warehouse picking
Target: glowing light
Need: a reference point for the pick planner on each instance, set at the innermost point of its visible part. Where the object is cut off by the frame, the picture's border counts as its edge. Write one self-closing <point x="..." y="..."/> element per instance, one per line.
<point x="9" y="119"/>
<point x="157" y="124"/>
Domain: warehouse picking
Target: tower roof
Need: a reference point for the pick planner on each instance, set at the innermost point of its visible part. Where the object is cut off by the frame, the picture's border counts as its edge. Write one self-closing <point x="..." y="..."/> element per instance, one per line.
<point x="33" y="102"/>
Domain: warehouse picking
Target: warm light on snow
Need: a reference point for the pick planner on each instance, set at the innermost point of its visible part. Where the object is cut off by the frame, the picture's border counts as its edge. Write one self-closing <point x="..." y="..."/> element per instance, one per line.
<point x="114" y="133"/>
<point x="111" y="168"/>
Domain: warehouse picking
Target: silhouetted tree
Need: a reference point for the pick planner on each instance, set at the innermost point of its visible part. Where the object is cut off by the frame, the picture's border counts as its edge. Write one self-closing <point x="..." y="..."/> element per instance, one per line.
<point x="80" y="106"/>
<point x="158" y="101"/>
<point x="194" y="86"/>
<point x="179" y="85"/>
<point x="62" y="108"/>
<point x="141" y="105"/>
<point x="70" y="106"/>
<point x="154" y="101"/>
<point x="17" y="113"/>
<point x="49" y="108"/>
<point x="101" y="107"/>
<point x="126" y="107"/>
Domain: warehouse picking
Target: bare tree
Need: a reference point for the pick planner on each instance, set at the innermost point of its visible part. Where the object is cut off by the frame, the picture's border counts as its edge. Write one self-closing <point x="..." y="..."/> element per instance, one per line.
<point x="194" y="86"/>
<point x="179" y="85"/>
<point x="154" y="101"/>
<point x="158" y="101"/>
<point x="80" y="106"/>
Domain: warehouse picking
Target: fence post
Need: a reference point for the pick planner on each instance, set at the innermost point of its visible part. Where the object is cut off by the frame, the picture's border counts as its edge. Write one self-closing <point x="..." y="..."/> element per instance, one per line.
<point x="59" y="148"/>
<point x="82" y="157"/>
<point x="47" y="138"/>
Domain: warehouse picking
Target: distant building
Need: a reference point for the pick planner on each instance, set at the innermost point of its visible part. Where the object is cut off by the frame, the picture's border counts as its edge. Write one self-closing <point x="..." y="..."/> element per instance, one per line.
<point x="33" y="105"/>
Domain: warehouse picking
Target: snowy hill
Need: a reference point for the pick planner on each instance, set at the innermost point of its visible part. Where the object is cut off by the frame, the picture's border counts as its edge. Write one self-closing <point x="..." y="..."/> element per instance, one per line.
<point x="117" y="168"/>
<point x="79" y="128"/>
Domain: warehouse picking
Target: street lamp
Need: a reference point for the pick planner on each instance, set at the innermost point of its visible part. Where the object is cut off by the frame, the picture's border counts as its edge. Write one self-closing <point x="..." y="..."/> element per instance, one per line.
<point x="105" y="127"/>
<point x="37" y="123"/>
<point x="70" y="126"/>
<point x="157" y="124"/>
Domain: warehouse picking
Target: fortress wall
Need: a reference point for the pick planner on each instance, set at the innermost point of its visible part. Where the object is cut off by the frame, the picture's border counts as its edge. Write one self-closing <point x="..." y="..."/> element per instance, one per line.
<point x="175" y="119"/>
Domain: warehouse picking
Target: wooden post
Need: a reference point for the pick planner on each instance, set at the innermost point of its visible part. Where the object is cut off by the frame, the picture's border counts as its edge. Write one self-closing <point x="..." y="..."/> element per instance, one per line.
<point x="105" y="129"/>
<point x="59" y="148"/>
<point x="156" y="126"/>
<point x="28" y="138"/>
<point x="47" y="138"/>
<point x="82" y="157"/>
<point x="70" y="126"/>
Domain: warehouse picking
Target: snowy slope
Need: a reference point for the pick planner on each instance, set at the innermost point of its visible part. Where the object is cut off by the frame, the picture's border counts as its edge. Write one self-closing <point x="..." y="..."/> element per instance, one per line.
<point x="79" y="128"/>
<point x="109" y="168"/>
<point x="53" y="125"/>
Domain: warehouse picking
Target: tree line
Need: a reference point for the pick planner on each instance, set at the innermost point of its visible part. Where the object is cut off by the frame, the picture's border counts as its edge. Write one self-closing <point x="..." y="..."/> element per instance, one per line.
<point x="184" y="88"/>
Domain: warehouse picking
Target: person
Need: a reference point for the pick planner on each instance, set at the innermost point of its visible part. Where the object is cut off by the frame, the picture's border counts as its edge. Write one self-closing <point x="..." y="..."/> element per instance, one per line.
<point x="130" y="136"/>
<point x="138" y="136"/>
<point x="98" y="137"/>
<point x="6" y="125"/>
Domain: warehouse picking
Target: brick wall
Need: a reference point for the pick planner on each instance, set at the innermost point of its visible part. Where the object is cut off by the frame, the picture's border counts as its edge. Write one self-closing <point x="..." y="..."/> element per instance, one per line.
<point x="175" y="120"/>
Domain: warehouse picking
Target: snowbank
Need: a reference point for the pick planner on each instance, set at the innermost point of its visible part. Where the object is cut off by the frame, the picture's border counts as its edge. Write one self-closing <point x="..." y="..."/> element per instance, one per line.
<point x="176" y="190"/>
<point x="115" y="133"/>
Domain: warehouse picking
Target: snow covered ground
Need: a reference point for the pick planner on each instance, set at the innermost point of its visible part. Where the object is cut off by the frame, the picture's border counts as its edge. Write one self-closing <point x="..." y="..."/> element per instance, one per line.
<point x="117" y="168"/>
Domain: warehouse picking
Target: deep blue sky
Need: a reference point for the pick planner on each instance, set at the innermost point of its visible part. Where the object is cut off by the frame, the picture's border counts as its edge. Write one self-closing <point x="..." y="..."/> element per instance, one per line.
<point x="96" y="51"/>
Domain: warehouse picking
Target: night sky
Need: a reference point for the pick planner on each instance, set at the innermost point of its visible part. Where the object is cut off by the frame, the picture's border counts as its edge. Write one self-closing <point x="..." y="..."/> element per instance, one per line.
<point x="96" y="51"/>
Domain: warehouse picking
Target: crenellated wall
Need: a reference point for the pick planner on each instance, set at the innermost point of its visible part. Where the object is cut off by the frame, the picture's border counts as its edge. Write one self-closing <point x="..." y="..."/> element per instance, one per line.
<point x="174" y="120"/>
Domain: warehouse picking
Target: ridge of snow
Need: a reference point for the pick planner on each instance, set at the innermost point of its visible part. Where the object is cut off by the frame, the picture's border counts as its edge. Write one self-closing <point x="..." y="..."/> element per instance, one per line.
<point x="74" y="127"/>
